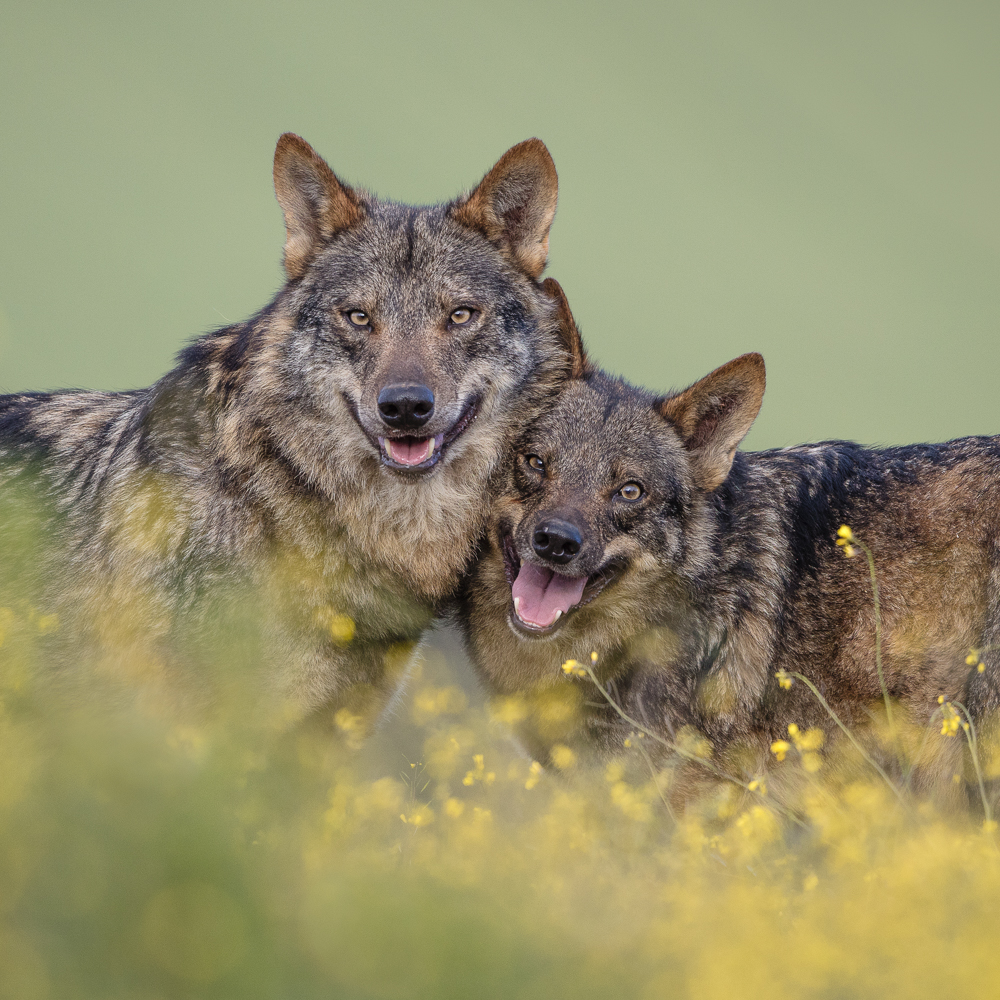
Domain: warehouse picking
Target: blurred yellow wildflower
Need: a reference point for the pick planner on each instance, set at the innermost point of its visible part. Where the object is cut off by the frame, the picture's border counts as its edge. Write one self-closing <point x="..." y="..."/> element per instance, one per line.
<point x="509" y="710"/>
<point x="421" y="815"/>
<point x="340" y="627"/>
<point x="349" y="723"/>
<point x="478" y="773"/>
<point x="432" y="702"/>
<point x="562" y="757"/>
<point x="811" y="739"/>
<point x="693" y="743"/>
<point x="631" y="801"/>
<point x="454" y="807"/>
<point x="844" y="538"/>
<point x="614" y="771"/>
<point x="784" y="679"/>
<point x="780" y="748"/>
<point x="950" y="719"/>
<point x="534" y="775"/>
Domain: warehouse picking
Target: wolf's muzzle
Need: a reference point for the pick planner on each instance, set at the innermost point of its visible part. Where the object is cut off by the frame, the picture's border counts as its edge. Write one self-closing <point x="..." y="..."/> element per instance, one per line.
<point x="405" y="407"/>
<point x="557" y="541"/>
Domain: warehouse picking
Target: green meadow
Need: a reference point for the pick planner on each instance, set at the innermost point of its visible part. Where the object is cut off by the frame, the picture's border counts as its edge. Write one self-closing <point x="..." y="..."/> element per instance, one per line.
<point x="816" y="182"/>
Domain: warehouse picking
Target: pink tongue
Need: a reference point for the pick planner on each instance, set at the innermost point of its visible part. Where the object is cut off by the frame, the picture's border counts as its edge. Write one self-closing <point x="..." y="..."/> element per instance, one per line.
<point x="409" y="451"/>
<point x="540" y="594"/>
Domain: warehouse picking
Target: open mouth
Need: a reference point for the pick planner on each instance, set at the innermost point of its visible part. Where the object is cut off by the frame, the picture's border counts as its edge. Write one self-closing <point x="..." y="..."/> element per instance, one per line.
<point x="542" y="599"/>
<point x="418" y="454"/>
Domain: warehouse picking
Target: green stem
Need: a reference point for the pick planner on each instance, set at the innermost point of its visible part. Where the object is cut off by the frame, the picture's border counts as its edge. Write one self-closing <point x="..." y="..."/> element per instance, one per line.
<point x="878" y="630"/>
<point x="970" y="735"/>
<point x="687" y="755"/>
<point x="861" y="750"/>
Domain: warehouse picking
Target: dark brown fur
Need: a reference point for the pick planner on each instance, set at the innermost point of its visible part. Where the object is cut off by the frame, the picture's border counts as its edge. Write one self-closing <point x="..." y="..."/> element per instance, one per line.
<point x="726" y="570"/>
<point x="258" y="459"/>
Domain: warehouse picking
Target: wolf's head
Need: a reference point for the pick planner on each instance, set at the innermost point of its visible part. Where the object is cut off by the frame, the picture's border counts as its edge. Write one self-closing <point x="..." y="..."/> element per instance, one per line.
<point x="609" y="492"/>
<point x="421" y="326"/>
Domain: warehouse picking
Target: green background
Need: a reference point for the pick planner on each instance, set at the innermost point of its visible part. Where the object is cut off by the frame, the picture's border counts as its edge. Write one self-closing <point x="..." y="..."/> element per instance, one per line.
<point x="815" y="181"/>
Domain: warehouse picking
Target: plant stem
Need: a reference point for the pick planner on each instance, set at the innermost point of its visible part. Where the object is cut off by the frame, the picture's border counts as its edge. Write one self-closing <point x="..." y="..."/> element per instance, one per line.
<point x="861" y="750"/>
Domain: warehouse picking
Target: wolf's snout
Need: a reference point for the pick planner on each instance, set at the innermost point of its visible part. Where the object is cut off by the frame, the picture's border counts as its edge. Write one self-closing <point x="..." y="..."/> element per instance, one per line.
<point x="406" y="406"/>
<point x="557" y="541"/>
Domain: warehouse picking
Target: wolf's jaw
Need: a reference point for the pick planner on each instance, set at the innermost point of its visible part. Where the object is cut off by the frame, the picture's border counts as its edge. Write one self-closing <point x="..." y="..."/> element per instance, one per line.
<point x="410" y="452"/>
<point x="548" y="598"/>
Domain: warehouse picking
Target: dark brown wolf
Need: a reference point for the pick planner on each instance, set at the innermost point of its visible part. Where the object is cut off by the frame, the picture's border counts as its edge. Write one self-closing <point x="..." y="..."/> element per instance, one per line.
<point x="632" y="528"/>
<point x="334" y="451"/>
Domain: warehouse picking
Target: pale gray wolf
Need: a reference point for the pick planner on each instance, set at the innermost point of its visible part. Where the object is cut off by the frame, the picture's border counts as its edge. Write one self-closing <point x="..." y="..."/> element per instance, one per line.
<point x="333" y="453"/>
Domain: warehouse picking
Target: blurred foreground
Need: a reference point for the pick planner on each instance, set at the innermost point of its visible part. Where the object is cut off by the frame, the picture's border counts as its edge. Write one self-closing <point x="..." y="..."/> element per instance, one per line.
<point x="149" y="854"/>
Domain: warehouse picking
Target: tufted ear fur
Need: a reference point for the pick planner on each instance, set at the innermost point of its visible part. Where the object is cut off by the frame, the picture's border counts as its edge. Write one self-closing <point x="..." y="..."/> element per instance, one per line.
<point x="515" y="204"/>
<point x="315" y="203"/>
<point x="714" y="415"/>
<point x="568" y="331"/>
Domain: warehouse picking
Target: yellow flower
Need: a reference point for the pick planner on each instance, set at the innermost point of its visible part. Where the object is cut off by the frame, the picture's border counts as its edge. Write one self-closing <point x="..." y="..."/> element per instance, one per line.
<point x="454" y="807"/>
<point x="593" y="657"/>
<point x="981" y="667"/>
<point x="779" y="748"/>
<point x="950" y="720"/>
<point x="811" y="739"/>
<point x="534" y="775"/>
<point x="421" y="816"/>
<point x="573" y="667"/>
<point x="563" y="757"/>
<point x="784" y="679"/>
<point x="845" y="533"/>
<point x="972" y="657"/>
<point x="793" y="730"/>
<point x="478" y="773"/>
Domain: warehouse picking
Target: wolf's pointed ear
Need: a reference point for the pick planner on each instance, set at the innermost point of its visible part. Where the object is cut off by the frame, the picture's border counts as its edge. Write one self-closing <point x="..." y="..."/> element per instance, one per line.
<point x="568" y="331"/>
<point x="515" y="204"/>
<point x="714" y="415"/>
<point x="316" y="204"/>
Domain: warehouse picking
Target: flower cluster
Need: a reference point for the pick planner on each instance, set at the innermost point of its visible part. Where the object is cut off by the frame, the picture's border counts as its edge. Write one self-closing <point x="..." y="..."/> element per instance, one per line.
<point x="806" y="743"/>
<point x="975" y="659"/>
<point x="845" y="539"/>
<point x="951" y="719"/>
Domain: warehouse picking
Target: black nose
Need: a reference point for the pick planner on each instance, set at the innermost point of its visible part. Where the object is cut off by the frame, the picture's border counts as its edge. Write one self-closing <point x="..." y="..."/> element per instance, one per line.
<point x="406" y="405"/>
<point x="557" y="541"/>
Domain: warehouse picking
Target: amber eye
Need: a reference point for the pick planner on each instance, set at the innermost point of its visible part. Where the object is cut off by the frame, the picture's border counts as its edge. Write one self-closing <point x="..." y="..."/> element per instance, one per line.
<point x="461" y="316"/>
<point x="630" y="491"/>
<point x="359" y="317"/>
<point x="536" y="463"/>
